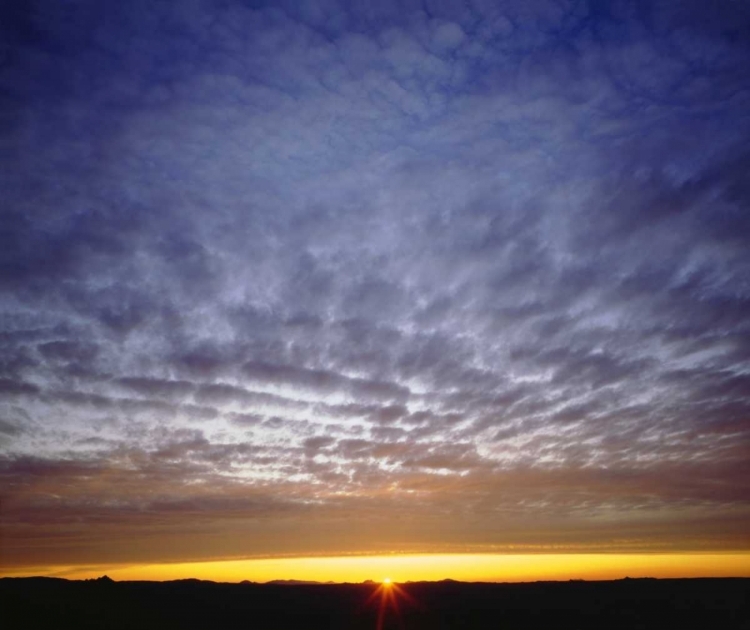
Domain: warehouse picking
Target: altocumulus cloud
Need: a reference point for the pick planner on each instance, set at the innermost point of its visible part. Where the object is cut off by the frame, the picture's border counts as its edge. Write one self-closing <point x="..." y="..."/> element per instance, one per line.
<point x="274" y="274"/>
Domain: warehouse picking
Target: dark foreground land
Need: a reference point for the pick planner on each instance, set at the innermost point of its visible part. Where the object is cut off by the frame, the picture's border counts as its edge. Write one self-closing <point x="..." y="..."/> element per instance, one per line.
<point x="103" y="604"/>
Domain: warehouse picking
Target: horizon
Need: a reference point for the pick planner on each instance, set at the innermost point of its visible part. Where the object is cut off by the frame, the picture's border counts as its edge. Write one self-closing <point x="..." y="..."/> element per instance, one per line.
<point x="404" y="568"/>
<point x="455" y="287"/>
<point x="384" y="605"/>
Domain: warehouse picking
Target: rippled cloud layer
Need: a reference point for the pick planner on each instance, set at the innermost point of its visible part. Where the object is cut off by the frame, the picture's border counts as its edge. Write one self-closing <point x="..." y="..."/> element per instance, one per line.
<point x="332" y="277"/>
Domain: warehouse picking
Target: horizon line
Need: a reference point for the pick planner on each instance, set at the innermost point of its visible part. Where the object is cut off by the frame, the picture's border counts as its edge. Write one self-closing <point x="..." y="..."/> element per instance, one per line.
<point x="402" y="568"/>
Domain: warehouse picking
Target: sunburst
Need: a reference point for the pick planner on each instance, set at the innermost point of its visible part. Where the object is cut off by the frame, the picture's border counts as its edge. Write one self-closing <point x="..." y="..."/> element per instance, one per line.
<point x="388" y="594"/>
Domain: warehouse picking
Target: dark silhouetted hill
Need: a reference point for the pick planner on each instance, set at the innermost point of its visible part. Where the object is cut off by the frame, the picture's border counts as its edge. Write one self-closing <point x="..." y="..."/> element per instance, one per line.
<point x="31" y="603"/>
<point x="292" y="582"/>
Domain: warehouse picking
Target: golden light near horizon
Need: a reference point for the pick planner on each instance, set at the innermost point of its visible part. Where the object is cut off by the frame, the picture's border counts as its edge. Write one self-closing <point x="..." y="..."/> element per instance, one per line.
<point x="417" y="567"/>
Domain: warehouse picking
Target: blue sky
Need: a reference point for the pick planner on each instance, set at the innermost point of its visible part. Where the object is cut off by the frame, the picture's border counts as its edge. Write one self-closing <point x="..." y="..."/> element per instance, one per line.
<point x="273" y="274"/>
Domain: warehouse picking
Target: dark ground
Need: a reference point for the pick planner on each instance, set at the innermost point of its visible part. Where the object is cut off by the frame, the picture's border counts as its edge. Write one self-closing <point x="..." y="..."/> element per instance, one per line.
<point x="102" y="604"/>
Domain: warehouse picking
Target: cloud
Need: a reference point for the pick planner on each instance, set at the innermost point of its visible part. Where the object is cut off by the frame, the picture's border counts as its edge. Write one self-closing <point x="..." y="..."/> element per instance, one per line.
<point x="485" y="259"/>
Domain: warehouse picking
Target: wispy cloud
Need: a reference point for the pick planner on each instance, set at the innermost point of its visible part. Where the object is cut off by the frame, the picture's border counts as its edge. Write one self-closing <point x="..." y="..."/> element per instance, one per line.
<point x="304" y="266"/>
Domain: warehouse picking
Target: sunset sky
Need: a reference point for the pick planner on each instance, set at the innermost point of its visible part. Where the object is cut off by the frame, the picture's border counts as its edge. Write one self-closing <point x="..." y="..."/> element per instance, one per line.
<point x="459" y="286"/>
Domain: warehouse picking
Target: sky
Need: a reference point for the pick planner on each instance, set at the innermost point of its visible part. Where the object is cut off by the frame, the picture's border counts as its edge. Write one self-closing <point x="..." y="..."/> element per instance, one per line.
<point x="342" y="279"/>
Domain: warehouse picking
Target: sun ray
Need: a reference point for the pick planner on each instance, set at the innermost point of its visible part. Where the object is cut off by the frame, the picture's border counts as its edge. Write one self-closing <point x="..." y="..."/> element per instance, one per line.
<point x="388" y="596"/>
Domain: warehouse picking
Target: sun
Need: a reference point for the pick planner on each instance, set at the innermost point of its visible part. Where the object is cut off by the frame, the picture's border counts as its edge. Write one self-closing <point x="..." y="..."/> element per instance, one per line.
<point x="387" y="581"/>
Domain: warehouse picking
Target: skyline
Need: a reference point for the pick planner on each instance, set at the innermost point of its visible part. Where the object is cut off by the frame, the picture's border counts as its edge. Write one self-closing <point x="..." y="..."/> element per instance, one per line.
<point x="314" y="279"/>
<point x="399" y="568"/>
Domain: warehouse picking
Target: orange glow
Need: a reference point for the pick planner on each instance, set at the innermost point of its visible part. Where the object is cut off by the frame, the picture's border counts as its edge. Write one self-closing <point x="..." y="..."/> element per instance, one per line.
<point x="403" y="568"/>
